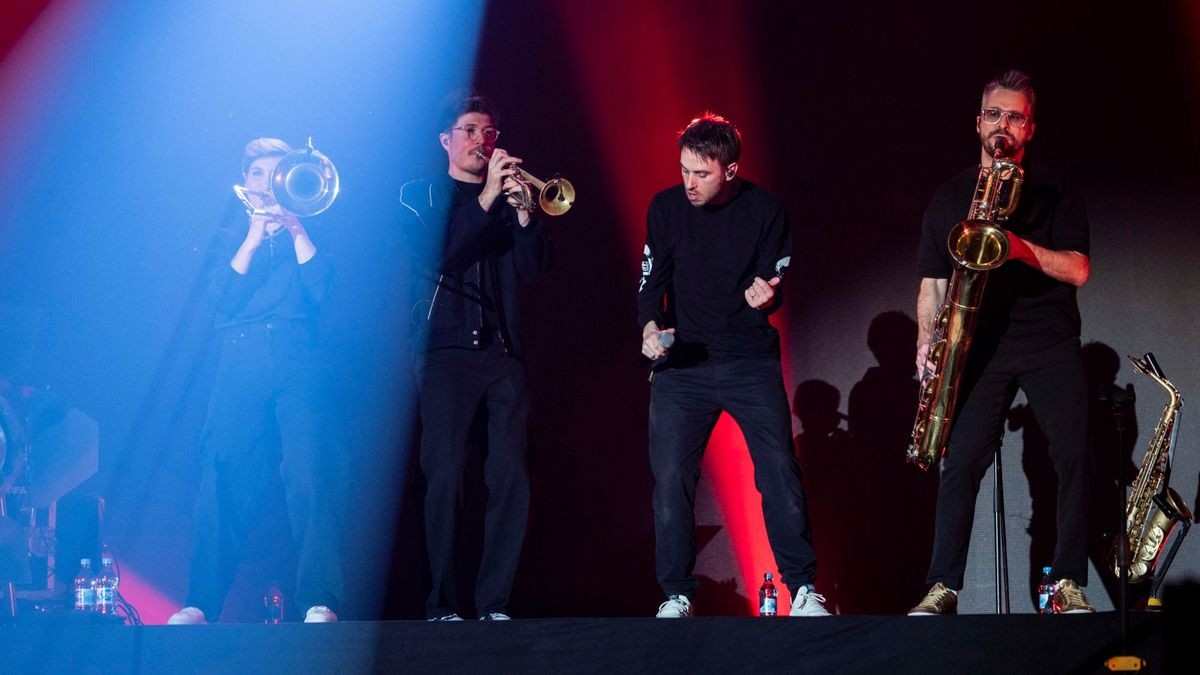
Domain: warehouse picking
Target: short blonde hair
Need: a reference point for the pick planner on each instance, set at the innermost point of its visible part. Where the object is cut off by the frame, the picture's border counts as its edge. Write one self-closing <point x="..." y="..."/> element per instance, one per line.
<point x="263" y="147"/>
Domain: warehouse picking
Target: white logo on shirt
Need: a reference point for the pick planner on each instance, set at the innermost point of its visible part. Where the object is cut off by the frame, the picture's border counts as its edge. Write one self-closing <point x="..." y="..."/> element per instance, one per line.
<point x="782" y="265"/>
<point x="647" y="265"/>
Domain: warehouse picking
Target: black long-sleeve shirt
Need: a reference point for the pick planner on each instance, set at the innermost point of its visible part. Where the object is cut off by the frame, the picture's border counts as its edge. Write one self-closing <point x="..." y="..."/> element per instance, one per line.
<point x="275" y="287"/>
<point x="702" y="259"/>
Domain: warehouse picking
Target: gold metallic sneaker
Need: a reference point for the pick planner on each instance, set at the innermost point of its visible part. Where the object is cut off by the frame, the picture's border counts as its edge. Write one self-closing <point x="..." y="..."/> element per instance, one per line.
<point x="939" y="600"/>
<point x="1069" y="599"/>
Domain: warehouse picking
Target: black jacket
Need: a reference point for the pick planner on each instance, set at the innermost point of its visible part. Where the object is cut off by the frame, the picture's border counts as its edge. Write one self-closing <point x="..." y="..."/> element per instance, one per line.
<point x="468" y="262"/>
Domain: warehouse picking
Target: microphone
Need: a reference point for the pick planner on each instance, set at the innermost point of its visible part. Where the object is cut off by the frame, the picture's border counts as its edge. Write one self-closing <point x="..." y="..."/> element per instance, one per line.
<point x="665" y="340"/>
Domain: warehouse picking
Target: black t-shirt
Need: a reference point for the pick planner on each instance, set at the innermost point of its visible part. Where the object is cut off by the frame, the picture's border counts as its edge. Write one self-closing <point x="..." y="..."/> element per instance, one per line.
<point x="702" y="259"/>
<point x="1023" y="310"/>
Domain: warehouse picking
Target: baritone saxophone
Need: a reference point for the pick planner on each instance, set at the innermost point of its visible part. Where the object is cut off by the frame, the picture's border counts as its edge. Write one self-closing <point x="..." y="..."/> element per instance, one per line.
<point x="977" y="245"/>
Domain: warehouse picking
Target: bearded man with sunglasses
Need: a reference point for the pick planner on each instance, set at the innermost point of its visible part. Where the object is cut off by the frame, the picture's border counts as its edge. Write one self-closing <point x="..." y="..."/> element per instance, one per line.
<point x="1027" y="337"/>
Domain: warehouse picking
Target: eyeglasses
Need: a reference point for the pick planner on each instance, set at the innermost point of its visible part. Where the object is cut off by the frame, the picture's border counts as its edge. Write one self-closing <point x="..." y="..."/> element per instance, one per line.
<point x="489" y="134"/>
<point x="993" y="115"/>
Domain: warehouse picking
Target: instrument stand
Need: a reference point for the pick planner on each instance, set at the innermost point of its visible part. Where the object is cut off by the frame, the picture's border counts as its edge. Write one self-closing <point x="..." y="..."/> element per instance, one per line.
<point x="10" y="588"/>
<point x="1001" y="538"/>
<point x="1118" y="409"/>
<point x="1154" y="604"/>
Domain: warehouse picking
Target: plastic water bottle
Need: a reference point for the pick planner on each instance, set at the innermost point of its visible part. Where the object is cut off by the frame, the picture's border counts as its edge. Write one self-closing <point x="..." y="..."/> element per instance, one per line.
<point x="85" y="593"/>
<point x="273" y="601"/>
<point x="1046" y="592"/>
<point x="107" y="582"/>
<point x="768" y="602"/>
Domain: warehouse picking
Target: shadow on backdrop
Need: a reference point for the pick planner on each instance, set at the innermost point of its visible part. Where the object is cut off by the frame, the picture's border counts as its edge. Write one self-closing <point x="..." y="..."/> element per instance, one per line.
<point x="833" y="488"/>
<point x="901" y="497"/>
<point x="1112" y="437"/>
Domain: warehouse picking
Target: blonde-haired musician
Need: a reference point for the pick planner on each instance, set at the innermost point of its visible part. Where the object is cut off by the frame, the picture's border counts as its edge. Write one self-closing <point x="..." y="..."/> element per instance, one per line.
<point x="266" y="411"/>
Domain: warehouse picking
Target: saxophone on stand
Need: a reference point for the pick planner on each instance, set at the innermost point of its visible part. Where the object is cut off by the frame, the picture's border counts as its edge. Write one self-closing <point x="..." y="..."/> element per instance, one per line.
<point x="1153" y="509"/>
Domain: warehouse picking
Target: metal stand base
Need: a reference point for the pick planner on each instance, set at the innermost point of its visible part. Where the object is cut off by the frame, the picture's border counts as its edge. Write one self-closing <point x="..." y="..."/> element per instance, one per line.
<point x="1001" y="537"/>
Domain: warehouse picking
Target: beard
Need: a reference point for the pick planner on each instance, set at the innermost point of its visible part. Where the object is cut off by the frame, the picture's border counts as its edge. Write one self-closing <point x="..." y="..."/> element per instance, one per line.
<point x="1008" y="143"/>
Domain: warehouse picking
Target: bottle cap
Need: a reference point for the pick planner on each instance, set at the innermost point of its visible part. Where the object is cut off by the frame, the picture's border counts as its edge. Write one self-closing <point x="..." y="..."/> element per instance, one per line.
<point x="85" y="561"/>
<point x="768" y="576"/>
<point x="1045" y="570"/>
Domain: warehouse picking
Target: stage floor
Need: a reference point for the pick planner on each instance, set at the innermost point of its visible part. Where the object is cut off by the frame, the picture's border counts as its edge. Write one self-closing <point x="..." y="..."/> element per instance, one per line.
<point x="839" y="644"/>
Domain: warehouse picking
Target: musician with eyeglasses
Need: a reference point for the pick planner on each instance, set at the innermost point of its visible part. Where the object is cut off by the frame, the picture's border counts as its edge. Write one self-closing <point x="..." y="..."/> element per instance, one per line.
<point x="267" y="409"/>
<point x="1026" y="337"/>
<point x="472" y="242"/>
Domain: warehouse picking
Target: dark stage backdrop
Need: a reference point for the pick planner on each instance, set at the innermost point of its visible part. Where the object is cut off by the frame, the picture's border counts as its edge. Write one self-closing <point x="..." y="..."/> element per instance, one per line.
<point x="851" y="114"/>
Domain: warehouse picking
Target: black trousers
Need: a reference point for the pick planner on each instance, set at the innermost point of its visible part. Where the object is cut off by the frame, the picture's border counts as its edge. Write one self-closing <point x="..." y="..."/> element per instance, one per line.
<point x="456" y="386"/>
<point x="266" y="415"/>
<point x="1054" y="382"/>
<point x="685" y="404"/>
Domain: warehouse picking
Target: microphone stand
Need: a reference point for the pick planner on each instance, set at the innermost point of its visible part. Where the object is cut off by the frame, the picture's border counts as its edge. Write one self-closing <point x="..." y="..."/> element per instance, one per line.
<point x="1118" y="409"/>
<point x="1125" y="661"/>
<point x="1001" y="538"/>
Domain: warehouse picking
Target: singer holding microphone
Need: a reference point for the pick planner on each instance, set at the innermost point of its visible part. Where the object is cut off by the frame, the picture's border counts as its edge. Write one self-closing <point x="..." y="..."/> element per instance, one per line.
<point x="470" y="245"/>
<point x="717" y="247"/>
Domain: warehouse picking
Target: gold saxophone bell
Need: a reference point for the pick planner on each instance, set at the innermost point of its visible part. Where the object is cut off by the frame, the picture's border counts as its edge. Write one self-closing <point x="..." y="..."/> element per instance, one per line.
<point x="979" y="245"/>
<point x="555" y="196"/>
<point x="304" y="183"/>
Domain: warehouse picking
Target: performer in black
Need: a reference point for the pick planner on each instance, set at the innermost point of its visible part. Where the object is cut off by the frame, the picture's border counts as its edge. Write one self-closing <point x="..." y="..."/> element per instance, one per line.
<point x="472" y="242"/>
<point x="717" y="247"/>
<point x="1027" y="337"/>
<point x="267" y="409"/>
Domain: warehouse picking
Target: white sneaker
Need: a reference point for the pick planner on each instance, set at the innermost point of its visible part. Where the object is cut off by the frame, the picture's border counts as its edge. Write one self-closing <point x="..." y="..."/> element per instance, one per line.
<point x="320" y="614"/>
<point x="676" y="607"/>
<point x="447" y="617"/>
<point x="188" y="616"/>
<point x="495" y="616"/>
<point x="807" y="603"/>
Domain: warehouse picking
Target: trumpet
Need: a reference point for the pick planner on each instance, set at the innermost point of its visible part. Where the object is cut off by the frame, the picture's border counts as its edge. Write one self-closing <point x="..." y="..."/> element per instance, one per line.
<point x="303" y="184"/>
<point x="555" y="196"/>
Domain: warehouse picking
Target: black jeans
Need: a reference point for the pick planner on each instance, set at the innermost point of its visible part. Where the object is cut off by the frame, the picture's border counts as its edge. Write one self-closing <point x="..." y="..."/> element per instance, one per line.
<point x="1054" y="382"/>
<point x="456" y="386"/>
<point x="685" y="404"/>
<point x="266" y="415"/>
